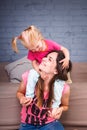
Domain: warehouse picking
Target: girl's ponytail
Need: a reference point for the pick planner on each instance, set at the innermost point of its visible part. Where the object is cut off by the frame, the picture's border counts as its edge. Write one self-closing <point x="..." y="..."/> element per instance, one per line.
<point x="14" y="44"/>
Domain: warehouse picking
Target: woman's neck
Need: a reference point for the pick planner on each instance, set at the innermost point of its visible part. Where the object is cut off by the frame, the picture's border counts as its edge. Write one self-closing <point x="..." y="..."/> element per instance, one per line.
<point x="46" y="76"/>
<point x="46" y="83"/>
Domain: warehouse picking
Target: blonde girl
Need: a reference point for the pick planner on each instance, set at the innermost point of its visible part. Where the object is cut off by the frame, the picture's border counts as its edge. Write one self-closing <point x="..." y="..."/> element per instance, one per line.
<point x="38" y="47"/>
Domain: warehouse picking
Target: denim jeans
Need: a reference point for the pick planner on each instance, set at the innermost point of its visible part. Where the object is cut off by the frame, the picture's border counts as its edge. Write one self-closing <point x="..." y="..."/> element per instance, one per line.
<point x="55" y="125"/>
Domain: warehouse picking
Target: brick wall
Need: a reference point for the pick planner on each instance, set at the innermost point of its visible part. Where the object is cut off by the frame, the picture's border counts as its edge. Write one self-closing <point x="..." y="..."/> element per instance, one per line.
<point x="64" y="21"/>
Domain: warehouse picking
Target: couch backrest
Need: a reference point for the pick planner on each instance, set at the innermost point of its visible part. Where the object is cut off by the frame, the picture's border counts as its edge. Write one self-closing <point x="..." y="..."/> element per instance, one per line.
<point x="79" y="72"/>
<point x="3" y="73"/>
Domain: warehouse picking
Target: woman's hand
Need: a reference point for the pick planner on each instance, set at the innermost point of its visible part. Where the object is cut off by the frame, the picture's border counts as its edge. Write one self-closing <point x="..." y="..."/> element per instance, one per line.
<point x="56" y="113"/>
<point x="24" y="101"/>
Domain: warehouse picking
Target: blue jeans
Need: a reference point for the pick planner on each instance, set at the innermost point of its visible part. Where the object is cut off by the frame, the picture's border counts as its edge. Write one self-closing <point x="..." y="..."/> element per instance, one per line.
<point x="55" y="125"/>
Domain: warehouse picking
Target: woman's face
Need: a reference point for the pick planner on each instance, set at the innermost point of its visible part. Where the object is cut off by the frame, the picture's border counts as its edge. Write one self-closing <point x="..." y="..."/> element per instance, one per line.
<point x="48" y="64"/>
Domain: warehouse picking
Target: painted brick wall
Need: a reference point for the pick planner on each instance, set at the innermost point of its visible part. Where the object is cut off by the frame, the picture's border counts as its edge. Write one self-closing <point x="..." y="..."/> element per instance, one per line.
<point x="64" y="21"/>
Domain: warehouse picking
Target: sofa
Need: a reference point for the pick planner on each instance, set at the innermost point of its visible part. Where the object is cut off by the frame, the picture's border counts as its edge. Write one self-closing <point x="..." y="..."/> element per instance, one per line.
<point x="74" y="119"/>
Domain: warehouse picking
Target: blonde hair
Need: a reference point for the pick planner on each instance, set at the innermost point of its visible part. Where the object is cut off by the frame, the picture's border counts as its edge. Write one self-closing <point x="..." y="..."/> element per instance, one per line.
<point x="34" y="35"/>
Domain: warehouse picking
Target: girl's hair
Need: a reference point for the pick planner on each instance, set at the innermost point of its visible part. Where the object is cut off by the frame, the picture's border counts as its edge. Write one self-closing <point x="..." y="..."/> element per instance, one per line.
<point x="34" y="35"/>
<point x="62" y="75"/>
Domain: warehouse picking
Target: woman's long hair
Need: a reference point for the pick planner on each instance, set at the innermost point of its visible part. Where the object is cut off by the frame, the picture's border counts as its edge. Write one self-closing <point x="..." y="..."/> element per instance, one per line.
<point x="62" y="75"/>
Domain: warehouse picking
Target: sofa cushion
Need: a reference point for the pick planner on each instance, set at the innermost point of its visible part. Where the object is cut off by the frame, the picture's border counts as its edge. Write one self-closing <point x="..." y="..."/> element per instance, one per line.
<point x="3" y="74"/>
<point x="9" y="107"/>
<point x="79" y="72"/>
<point x="17" y="68"/>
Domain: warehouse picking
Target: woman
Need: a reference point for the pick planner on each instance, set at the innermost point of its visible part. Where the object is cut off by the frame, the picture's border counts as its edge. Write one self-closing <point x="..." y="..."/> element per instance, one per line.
<point x="36" y="114"/>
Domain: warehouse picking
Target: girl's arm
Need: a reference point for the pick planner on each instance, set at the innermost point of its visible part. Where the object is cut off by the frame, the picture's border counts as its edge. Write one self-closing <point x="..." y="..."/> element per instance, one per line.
<point x="67" y="57"/>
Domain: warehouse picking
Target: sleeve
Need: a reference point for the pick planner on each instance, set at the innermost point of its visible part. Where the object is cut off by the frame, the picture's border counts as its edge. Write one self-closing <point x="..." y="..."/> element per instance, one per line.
<point x="56" y="45"/>
<point x="31" y="56"/>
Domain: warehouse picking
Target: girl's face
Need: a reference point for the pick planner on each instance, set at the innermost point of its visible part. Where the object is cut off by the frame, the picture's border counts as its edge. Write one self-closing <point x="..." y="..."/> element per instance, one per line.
<point x="48" y="63"/>
<point x="37" y="46"/>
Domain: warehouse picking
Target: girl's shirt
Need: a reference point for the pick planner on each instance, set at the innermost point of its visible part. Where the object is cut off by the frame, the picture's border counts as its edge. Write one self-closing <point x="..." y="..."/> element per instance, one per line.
<point x="51" y="45"/>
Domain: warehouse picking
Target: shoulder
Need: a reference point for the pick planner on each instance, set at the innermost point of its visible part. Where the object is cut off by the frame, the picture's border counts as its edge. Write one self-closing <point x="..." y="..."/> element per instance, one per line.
<point x="50" y="41"/>
<point x="53" y="44"/>
<point x="24" y="77"/>
<point x="66" y="89"/>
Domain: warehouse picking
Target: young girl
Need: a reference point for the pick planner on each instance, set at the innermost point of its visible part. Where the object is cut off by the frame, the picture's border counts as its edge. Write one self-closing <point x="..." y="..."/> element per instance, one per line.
<point x="32" y="39"/>
<point x="38" y="47"/>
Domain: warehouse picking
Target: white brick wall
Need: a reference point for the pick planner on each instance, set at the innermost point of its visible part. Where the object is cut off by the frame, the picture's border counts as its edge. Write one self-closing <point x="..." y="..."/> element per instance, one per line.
<point x="64" y="21"/>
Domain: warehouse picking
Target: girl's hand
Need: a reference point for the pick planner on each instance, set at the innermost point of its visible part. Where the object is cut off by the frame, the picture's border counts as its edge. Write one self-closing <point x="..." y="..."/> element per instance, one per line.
<point x="24" y="101"/>
<point x="65" y="63"/>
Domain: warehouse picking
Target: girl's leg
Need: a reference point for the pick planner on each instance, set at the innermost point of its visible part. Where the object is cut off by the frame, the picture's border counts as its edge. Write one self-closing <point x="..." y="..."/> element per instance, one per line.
<point x="56" y="125"/>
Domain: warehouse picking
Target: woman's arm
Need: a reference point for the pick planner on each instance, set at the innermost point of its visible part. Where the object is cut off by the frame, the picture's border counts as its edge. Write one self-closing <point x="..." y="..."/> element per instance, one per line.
<point x="65" y="98"/>
<point x="21" y="95"/>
